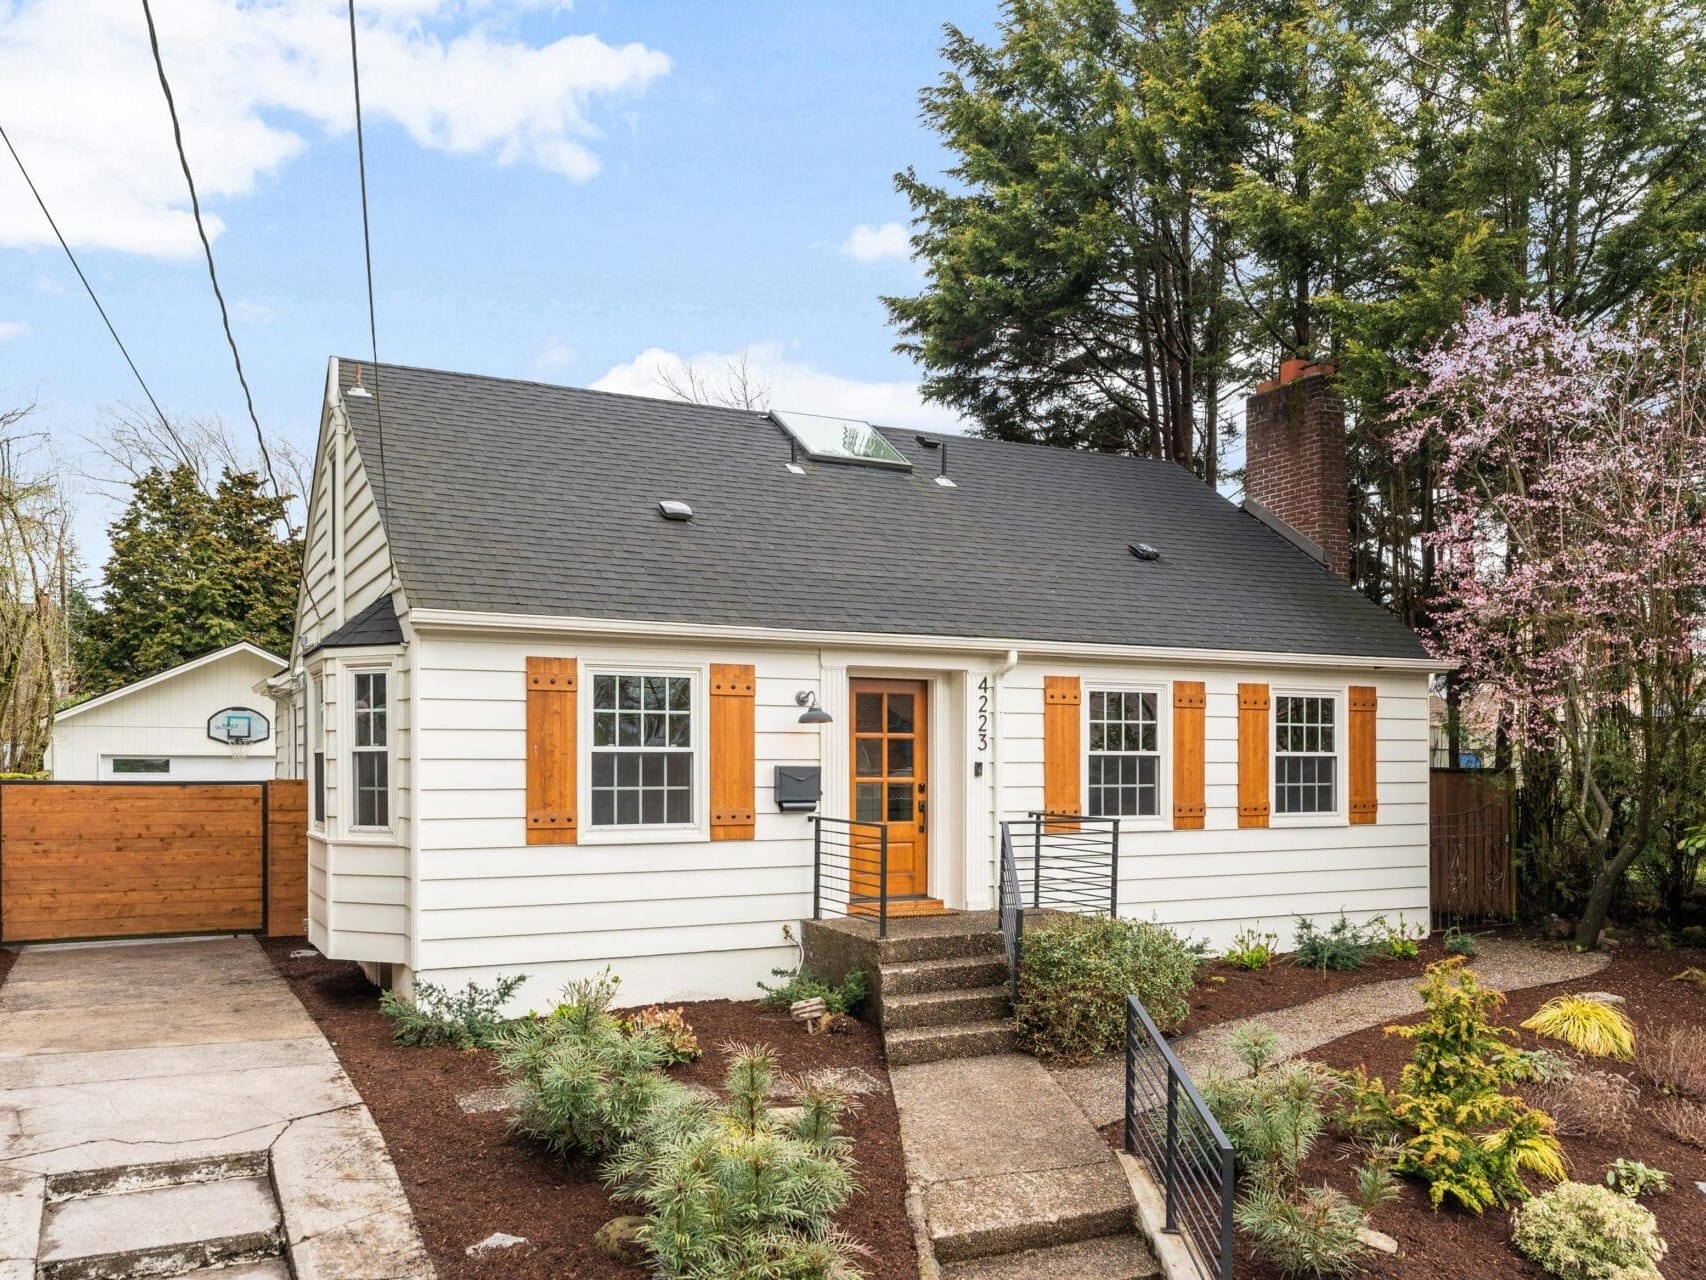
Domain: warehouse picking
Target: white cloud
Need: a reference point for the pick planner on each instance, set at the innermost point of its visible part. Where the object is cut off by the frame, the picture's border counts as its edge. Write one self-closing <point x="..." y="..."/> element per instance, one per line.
<point x="249" y="312"/>
<point x="12" y="329"/>
<point x="793" y="384"/>
<point x="256" y="83"/>
<point x="887" y="243"/>
<point x="555" y="356"/>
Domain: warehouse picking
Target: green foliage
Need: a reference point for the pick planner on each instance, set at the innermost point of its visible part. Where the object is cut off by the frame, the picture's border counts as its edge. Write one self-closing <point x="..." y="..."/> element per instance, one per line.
<point x="1375" y="1185"/>
<point x="736" y="1193"/>
<point x="1256" y="1046"/>
<point x="469" y="1019"/>
<point x="1342" y="946"/>
<point x="1634" y="1179"/>
<point x="1251" y="949"/>
<point x="672" y="1031"/>
<point x="582" y="1083"/>
<point x="1581" y="1232"/>
<point x="1399" y="941"/>
<point x="1460" y="1132"/>
<point x="1272" y="1119"/>
<point x="1458" y="943"/>
<point x="799" y="984"/>
<point x="1310" y="1233"/>
<point x="1075" y="974"/>
<point x="190" y="571"/>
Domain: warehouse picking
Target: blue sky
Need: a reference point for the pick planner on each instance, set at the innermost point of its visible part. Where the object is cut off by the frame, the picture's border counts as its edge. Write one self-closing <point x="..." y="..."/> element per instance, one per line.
<point x="579" y="195"/>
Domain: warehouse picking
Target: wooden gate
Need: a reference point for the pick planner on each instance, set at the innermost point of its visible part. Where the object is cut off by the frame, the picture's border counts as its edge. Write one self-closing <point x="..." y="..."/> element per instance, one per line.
<point x="128" y="860"/>
<point x="1471" y="865"/>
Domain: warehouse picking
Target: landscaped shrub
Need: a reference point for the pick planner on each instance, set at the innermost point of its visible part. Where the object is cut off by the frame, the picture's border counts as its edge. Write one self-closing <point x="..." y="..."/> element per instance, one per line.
<point x="1581" y="1232"/>
<point x="1256" y="1046"/>
<point x="1460" y="1132"/>
<point x="1587" y="1025"/>
<point x="1342" y="946"/>
<point x="1075" y="975"/>
<point x="1634" y="1179"/>
<point x="1600" y="1104"/>
<point x="1400" y="941"/>
<point x="1683" y="1120"/>
<point x="1310" y="1233"/>
<point x="1458" y="943"/>
<point x="582" y="1083"/>
<point x="671" y="1028"/>
<point x="469" y="1019"/>
<point x="1272" y="1118"/>
<point x="1674" y="1060"/>
<point x="1252" y="950"/>
<point x="742" y="1195"/>
<point x="799" y="984"/>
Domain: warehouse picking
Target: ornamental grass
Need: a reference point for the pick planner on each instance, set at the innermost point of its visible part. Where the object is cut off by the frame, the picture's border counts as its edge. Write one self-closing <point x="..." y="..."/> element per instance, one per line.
<point x="1587" y="1025"/>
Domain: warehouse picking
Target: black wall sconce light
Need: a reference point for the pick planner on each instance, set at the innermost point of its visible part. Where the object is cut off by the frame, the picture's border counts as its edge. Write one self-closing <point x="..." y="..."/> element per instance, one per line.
<point x="813" y="714"/>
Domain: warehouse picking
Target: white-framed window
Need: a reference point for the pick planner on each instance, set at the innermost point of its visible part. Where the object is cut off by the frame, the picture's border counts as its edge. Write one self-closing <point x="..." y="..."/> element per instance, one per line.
<point x="316" y="710"/>
<point x="141" y="764"/>
<point x="643" y="757"/>
<point x="370" y="748"/>
<point x="1306" y="753"/>
<point x="1123" y="759"/>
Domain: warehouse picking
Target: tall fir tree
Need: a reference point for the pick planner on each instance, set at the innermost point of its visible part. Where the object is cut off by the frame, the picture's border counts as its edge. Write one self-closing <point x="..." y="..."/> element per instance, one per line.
<point x="189" y="572"/>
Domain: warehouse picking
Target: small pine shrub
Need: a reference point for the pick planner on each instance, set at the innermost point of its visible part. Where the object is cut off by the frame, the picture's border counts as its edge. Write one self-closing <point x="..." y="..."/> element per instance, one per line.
<point x="1310" y="1233"/>
<point x="1252" y="950"/>
<point x="1458" y="943"/>
<point x="741" y="1195"/>
<point x="469" y="1019"/>
<point x="1375" y="1185"/>
<point x="1634" y="1179"/>
<point x="1581" y="1232"/>
<point x="1588" y="1026"/>
<point x="1075" y="974"/>
<point x="1272" y="1119"/>
<point x="1470" y="1141"/>
<point x="1341" y="946"/>
<point x="1674" y="1060"/>
<point x="1256" y="1046"/>
<point x="799" y="984"/>
<point x="672" y="1030"/>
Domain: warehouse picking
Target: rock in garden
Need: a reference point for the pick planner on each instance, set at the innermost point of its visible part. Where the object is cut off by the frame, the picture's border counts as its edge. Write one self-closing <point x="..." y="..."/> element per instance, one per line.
<point x="1700" y="1187"/>
<point x="1378" y="1240"/>
<point x="1604" y="997"/>
<point x="851" y="1081"/>
<point x="303" y="953"/>
<point x="496" y="1098"/>
<point x="620" y="1239"/>
<point x="497" y="1240"/>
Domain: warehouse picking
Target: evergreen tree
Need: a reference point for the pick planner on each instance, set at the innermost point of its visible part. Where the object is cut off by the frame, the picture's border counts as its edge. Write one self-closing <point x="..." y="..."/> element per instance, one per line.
<point x="190" y="571"/>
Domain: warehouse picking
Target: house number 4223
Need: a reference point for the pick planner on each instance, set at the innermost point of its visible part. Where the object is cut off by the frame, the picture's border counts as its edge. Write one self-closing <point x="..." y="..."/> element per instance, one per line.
<point x="983" y="714"/>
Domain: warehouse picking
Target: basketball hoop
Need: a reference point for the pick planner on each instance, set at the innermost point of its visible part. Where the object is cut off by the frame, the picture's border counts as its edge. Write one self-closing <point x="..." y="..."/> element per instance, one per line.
<point x="239" y="728"/>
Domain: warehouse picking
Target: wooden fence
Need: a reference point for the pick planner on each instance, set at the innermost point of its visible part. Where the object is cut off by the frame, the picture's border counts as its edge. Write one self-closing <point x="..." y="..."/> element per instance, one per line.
<point x="142" y="859"/>
<point x="1471" y="858"/>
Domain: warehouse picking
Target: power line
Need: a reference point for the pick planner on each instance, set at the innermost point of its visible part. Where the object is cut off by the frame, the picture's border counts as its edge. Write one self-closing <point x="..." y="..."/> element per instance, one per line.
<point x="207" y="250"/>
<point x="87" y="287"/>
<point x="367" y="251"/>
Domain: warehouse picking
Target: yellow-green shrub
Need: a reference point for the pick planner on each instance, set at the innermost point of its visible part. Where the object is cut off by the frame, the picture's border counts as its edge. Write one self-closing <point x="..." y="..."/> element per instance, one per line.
<point x="1587" y="1025"/>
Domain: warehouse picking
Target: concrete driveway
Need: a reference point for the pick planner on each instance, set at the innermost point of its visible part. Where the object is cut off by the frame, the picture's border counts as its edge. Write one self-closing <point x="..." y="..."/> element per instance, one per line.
<point x="169" y="1107"/>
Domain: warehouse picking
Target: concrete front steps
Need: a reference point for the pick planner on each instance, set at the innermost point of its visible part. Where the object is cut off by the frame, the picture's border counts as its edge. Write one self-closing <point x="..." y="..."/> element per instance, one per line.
<point x="1120" y="1257"/>
<point x="938" y="983"/>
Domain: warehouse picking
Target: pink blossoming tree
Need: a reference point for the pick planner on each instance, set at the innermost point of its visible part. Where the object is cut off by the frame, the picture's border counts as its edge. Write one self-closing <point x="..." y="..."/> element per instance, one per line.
<point x="1571" y="473"/>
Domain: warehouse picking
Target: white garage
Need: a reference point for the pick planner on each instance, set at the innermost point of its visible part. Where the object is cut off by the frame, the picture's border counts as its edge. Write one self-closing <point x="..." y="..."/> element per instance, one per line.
<point x="201" y="721"/>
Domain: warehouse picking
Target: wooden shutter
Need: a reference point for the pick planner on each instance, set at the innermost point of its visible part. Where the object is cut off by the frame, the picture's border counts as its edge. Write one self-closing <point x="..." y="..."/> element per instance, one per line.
<point x="551" y="795"/>
<point x="1190" y="701"/>
<point x="1255" y="748"/>
<point x="734" y="749"/>
<point x="1363" y="711"/>
<point x="1063" y="746"/>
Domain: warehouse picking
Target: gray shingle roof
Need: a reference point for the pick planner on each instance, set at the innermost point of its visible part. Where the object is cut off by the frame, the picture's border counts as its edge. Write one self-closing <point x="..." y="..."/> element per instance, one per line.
<point x="516" y="497"/>
<point x="376" y="624"/>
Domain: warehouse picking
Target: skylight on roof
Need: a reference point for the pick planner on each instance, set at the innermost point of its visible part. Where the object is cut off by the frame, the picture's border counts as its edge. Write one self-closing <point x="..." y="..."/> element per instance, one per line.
<point x="840" y="440"/>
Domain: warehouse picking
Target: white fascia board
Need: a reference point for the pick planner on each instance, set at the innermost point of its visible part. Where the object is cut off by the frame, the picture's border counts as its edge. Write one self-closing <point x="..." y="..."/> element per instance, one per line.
<point x="160" y="677"/>
<point x="524" y="624"/>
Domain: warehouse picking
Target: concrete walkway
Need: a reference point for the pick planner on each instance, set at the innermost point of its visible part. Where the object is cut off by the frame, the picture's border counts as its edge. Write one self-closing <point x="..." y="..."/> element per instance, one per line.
<point x="1507" y="965"/>
<point x="170" y="1106"/>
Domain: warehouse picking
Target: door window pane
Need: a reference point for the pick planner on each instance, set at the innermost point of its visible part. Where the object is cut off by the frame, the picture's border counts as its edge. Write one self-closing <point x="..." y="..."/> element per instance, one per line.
<point x="868" y="802"/>
<point x="900" y="713"/>
<point x="900" y="757"/>
<point x="900" y="802"/>
<point x="868" y="754"/>
<point x="868" y="713"/>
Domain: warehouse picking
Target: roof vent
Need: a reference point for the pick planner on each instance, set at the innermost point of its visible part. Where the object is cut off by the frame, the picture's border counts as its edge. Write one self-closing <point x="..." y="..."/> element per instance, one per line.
<point x="670" y="509"/>
<point x="941" y="475"/>
<point x="1143" y="551"/>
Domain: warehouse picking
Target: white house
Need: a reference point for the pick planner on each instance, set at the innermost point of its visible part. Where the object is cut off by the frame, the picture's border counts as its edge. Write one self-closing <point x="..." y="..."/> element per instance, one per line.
<point x="554" y="647"/>
<point x="200" y="721"/>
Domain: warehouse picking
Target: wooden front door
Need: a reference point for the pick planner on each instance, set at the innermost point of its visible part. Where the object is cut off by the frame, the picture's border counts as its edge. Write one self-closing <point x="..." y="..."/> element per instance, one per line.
<point x="890" y="779"/>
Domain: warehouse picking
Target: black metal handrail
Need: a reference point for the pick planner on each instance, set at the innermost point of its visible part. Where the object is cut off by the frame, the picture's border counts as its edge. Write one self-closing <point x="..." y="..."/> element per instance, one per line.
<point x="1011" y="908"/>
<point x="850" y="869"/>
<point x="1170" y="1129"/>
<point x="1073" y="863"/>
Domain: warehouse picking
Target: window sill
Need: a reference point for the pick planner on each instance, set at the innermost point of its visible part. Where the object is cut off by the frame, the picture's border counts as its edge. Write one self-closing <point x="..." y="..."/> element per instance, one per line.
<point x="370" y="835"/>
<point x="1308" y="820"/>
<point x="644" y="835"/>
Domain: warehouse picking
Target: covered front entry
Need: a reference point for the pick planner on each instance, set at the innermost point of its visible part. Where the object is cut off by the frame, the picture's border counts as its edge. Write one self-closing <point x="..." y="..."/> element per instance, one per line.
<point x="891" y="782"/>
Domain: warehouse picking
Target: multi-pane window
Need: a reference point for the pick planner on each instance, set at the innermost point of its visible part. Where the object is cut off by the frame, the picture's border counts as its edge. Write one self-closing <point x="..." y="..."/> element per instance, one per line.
<point x="1306" y="760"/>
<point x="1125" y="754"/>
<point x="642" y="750"/>
<point x="370" y="752"/>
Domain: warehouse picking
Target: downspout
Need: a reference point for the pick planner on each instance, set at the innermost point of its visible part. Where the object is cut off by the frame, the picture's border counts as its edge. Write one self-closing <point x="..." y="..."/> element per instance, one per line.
<point x="997" y="736"/>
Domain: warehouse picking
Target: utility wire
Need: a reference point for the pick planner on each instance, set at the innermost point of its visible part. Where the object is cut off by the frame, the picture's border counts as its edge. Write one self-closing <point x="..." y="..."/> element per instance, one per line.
<point x="87" y="287"/>
<point x="367" y="250"/>
<point x="207" y="249"/>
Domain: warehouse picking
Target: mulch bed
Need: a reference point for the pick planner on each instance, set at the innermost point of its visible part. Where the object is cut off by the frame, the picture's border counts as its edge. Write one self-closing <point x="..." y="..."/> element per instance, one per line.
<point x="466" y="1176"/>
<point x="1454" y="1244"/>
<point x="1225" y="992"/>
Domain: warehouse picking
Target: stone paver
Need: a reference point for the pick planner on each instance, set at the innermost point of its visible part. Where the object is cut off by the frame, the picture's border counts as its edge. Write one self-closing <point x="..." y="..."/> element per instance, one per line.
<point x="122" y="1056"/>
<point x="1099" y="1088"/>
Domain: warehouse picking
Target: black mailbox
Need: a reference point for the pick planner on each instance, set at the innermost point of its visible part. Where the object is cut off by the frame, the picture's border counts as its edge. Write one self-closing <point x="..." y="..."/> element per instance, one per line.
<point x="798" y="787"/>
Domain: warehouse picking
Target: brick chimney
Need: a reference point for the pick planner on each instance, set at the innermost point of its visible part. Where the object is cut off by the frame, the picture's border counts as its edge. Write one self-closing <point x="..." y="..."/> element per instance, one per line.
<point x="1294" y="460"/>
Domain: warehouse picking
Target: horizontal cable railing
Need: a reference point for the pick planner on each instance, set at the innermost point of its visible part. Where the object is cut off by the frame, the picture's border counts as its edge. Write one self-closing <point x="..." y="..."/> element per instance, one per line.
<point x="1171" y="1130"/>
<point x="850" y="870"/>
<point x="1070" y="862"/>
